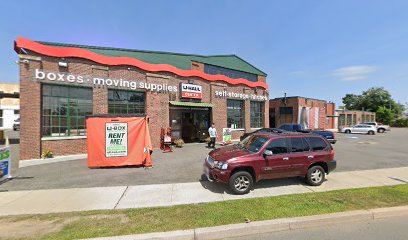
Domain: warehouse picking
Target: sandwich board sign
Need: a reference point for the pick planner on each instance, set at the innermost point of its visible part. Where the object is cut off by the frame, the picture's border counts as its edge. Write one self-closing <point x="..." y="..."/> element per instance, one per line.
<point x="5" y="163"/>
<point x="226" y="136"/>
<point x="116" y="139"/>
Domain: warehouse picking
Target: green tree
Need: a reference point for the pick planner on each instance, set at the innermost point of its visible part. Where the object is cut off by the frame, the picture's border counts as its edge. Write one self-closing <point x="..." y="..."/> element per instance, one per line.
<point x="385" y="115"/>
<point x="352" y="101"/>
<point x="378" y="100"/>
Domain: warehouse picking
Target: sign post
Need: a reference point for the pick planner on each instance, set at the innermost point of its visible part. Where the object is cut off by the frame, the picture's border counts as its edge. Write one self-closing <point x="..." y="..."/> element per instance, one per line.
<point x="5" y="163"/>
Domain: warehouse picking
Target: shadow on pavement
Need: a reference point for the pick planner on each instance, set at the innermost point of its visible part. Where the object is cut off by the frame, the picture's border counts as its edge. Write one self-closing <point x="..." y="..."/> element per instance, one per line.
<point x="217" y="187"/>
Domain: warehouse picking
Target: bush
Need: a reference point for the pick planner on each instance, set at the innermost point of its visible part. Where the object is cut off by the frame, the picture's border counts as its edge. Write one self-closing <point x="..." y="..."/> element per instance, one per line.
<point x="401" y="122"/>
<point x="179" y="142"/>
<point x="47" y="154"/>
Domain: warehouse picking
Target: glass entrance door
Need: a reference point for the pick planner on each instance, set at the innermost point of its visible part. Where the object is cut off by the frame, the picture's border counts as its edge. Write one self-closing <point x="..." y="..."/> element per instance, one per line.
<point x="190" y="124"/>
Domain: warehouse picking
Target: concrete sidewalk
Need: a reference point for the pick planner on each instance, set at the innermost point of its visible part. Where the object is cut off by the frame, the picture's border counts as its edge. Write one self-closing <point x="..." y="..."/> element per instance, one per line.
<point x="122" y="197"/>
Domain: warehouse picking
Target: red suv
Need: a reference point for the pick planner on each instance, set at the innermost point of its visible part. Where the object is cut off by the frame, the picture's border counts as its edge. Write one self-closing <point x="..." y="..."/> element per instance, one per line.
<point x="270" y="156"/>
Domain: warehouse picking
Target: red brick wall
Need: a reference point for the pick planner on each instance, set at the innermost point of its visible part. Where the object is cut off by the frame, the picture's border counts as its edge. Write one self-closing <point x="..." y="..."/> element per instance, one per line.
<point x="322" y="118"/>
<point x="157" y="104"/>
<point x="65" y="147"/>
<point x="359" y="117"/>
<point x="219" y="113"/>
<point x="197" y="66"/>
<point x="330" y="111"/>
<point x="157" y="108"/>
<point x="100" y="93"/>
<point x="30" y="105"/>
<point x="295" y="103"/>
<point x="278" y="103"/>
<point x="261" y="78"/>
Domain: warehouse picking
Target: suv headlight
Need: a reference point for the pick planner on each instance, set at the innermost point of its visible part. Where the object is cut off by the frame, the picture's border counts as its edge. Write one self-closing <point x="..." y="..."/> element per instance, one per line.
<point x="221" y="165"/>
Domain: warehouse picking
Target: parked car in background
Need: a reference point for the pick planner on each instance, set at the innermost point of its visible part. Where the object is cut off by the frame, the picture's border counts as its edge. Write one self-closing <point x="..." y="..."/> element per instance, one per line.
<point x="360" y="128"/>
<point x="16" y="124"/>
<point x="270" y="156"/>
<point x="380" y="127"/>
<point x="291" y="127"/>
<point x="262" y="130"/>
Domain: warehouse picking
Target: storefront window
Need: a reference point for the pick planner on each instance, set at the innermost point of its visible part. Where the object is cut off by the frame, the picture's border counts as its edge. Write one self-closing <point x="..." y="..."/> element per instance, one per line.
<point x="1" y="118"/>
<point x="257" y="116"/>
<point x="349" y="116"/>
<point x="64" y="110"/>
<point x="126" y="102"/>
<point x="286" y="116"/>
<point x="235" y="114"/>
<point x="342" y="120"/>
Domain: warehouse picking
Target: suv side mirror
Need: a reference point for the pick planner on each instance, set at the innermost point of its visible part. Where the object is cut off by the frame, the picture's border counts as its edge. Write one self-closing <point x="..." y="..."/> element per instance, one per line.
<point x="267" y="153"/>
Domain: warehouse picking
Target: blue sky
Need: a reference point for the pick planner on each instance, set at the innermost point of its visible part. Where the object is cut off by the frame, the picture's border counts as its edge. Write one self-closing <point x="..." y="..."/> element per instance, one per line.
<point x="318" y="49"/>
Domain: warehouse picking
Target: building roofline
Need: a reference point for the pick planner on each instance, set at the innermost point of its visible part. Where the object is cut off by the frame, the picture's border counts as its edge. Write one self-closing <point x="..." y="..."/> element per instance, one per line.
<point x="147" y="51"/>
<point x="251" y="65"/>
<point x="127" y="49"/>
<point x="340" y="110"/>
<point x="23" y="43"/>
<point x="280" y="98"/>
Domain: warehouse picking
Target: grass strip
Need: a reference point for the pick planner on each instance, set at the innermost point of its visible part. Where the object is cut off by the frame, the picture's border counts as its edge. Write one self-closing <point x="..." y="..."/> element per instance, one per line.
<point x="133" y="221"/>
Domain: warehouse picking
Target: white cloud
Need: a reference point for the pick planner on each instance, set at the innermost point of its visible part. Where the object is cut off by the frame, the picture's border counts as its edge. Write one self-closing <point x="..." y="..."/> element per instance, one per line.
<point x="354" y="73"/>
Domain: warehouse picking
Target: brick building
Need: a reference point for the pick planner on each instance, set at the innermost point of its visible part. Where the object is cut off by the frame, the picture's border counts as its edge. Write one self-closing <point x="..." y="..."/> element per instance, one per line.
<point x="352" y="117"/>
<point x="61" y="84"/>
<point x="311" y="113"/>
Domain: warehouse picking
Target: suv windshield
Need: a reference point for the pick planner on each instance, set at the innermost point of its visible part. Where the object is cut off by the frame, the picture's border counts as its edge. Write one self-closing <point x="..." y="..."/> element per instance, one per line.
<point x="253" y="144"/>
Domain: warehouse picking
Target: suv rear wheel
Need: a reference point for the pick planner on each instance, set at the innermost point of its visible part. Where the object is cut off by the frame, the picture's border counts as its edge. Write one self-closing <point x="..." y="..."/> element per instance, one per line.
<point x="315" y="176"/>
<point x="381" y="130"/>
<point x="241" y="182"/>
<point x="371" y="132"/>
<point x="347" y="131"/>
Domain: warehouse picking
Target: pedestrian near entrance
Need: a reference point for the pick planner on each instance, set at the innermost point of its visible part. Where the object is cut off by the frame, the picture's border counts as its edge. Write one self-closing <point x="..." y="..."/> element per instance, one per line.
<point x="213" y="135"/>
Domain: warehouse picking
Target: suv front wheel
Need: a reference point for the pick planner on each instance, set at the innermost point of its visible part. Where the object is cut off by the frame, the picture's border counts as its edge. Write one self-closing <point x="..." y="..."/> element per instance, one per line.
<point x="241" y="182"/>
<point x="315" y="176"/>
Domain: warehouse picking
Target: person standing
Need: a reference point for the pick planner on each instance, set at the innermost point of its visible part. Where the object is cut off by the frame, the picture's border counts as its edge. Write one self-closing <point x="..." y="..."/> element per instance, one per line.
<point x="213" y="135"/>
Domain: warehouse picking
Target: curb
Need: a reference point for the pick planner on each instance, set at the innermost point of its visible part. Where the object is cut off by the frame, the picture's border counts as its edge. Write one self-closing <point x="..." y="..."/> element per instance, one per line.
<point x="174" y="235"/>
<point x="34" y="162"/>
<point x="260" y="227"/>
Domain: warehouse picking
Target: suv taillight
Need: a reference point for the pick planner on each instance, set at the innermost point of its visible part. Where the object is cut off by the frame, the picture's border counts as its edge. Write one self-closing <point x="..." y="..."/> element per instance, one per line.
<point x="332" y="154"/>
<point x="334" y="136"/>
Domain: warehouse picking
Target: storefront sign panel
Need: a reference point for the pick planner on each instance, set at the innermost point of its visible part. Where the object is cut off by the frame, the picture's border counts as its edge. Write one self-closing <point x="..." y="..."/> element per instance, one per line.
<point x="68" y="78"/>
<point x="191" y="91"/>
<point x="243" y="96"/>
<point x="116" y="144"/>
<point x="4" y="163"/>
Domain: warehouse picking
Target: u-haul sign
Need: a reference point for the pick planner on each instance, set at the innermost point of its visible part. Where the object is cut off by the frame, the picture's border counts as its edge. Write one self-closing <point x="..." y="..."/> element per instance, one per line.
<point x="191" y="91"/>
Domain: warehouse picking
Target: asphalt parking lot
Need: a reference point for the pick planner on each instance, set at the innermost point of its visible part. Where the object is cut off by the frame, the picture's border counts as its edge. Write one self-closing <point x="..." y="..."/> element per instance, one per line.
<point x="363" y="152"/>
<point x="352" y="151"/>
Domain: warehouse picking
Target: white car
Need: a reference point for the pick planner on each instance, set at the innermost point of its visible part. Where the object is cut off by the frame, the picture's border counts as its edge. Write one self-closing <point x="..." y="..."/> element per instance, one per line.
<point x="380" y="127"/>
<point x="360" y="128"/>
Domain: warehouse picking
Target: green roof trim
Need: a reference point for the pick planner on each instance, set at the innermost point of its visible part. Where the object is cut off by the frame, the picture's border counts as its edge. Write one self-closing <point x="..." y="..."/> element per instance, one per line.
<point x="179" y="60"/>
<point x="191" y="104"/>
